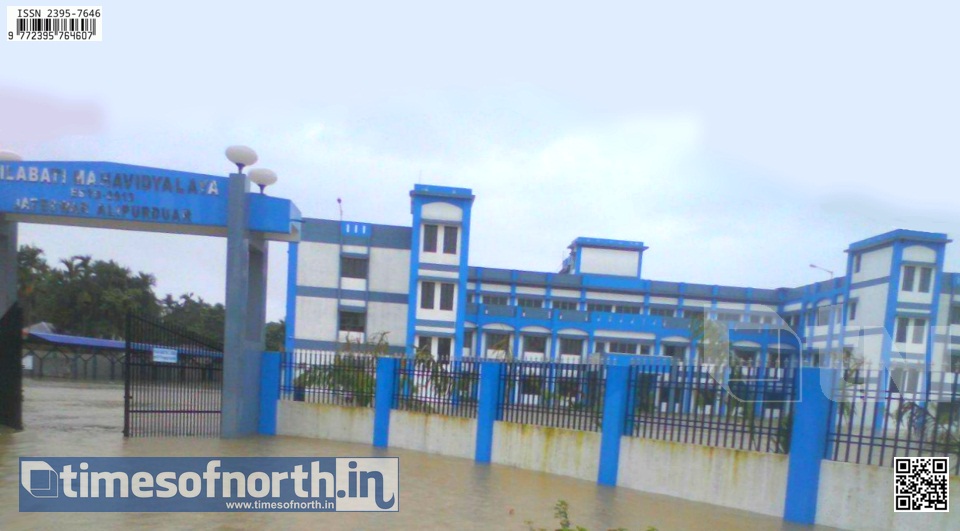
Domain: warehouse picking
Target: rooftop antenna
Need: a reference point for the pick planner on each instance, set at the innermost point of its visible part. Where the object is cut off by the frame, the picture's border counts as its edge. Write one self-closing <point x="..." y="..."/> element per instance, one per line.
<point x="340" y="206"/>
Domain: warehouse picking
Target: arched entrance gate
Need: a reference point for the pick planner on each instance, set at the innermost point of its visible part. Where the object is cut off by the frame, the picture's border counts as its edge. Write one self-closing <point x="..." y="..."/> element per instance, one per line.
<point x="122" y="196"/>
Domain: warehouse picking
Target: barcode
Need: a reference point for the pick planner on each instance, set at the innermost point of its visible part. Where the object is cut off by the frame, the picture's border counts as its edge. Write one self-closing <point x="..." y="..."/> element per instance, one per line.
<point x="56" y="25"/>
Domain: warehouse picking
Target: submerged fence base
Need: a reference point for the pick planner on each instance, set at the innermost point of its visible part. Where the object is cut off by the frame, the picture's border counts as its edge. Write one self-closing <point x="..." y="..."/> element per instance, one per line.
<point x="665" y="430"/>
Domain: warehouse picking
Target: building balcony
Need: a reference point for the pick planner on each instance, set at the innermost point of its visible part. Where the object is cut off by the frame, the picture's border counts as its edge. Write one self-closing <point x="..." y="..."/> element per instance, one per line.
<point x="498" y="311"/>
<point x="535" y="313"/>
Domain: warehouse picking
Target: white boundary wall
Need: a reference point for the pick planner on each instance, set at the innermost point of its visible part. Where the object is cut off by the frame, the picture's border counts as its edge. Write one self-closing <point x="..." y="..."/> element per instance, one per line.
<point x="433" y="434"/>
<point x="551" y="450"/>
<point x="752" y="481"/>
<point x="324" y="421"/>
<point x="860" y="497"/>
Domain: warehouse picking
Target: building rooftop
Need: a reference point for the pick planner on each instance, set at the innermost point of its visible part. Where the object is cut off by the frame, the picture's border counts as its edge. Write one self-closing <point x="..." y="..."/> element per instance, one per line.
<point x="898" y="234"/>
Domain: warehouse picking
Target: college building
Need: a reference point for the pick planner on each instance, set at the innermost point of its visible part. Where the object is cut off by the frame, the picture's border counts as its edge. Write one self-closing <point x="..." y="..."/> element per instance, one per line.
<point x="413" y="287"/>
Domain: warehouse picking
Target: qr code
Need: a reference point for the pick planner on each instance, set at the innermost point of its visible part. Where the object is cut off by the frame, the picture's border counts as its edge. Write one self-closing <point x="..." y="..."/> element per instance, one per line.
<point x="921" y="484"/>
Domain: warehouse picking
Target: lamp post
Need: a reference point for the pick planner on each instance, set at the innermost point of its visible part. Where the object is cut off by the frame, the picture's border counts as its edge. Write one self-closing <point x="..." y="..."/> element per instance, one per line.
<point x="242" y="156"/>
<point x="246" y="299"/>
<point x="814" y="266"/>
<point x="8" y="251"/>
<point x="9" y="156"/>
<point x="262" y="177"/>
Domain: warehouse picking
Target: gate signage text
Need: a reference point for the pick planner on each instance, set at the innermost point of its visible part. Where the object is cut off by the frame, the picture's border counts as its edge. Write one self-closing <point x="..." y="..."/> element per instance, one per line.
<point x="164" y="355"/>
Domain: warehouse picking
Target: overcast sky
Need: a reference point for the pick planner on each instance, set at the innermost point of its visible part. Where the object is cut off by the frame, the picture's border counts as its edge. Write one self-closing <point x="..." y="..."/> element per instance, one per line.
<point x="740" y="141"/>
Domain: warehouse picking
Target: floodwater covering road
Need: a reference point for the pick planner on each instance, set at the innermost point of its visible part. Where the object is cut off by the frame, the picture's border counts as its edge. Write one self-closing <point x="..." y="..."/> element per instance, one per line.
<point x="66" y="418"/>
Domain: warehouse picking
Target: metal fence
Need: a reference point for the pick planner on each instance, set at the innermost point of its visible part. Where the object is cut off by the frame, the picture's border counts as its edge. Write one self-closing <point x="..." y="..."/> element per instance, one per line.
<point x="432" y="387"/>
<point x="176" y="394"/>
<point x="328" y="377"/>
<point x="560" y="395"/>
<point x="743" y="408"/>
<point x="877" y="414"/>
<point x="50" y="361"/>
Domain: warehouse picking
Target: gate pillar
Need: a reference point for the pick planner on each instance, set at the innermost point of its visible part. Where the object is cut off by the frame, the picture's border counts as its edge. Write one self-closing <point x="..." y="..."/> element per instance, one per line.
<point x="8" y="264"/>
<point x="246" y="299"/>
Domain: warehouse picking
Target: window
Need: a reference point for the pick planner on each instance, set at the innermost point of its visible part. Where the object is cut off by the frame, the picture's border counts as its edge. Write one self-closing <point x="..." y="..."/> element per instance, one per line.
<point x="746" y="357"/>
<point x="628" y="308"/>
<point x="425" y="345"/>
<point x="791" y="320"/>
<point x="955" y="362"/>
<point x="755" y="319"/>
<point x="919" y="329"/>
<point x="696" y="313"/>
<point x="530" y="303"/>
<point x="427" y="293"/>
<point x="645" y="350"/>
<point x="565" y="305"/>
<point x="727" y="316"/>
<point x="661" y="312"/>
<point x="495" y="300"/>
<point x="925" y="276"/>
<point x="902" y="324"/>
<point x="955" y="315"/>
<point x="767" y="319"/>
<point x="571" y="346"/>
<point x="534" y="344"/>
<point x="904" y="379"/>
<point x="593" y="307"/>
<point x="468" y="339"/>
<point x="353" y="267"/>
<point x="909" y="272"/>
<point x="673" y="351"/>
<point x="497" y="341"/>
<point x="823" y="315"/>
<point x="622" y="348"/>
<point x="352" y="321"/>
<point x="450" y="240"/>
<point x="856" y="263"/>
<point x="443" y="349"/>
<point x="430" y="238"/>
<point x="852" y="310"/>
<point x="446" y="296"/>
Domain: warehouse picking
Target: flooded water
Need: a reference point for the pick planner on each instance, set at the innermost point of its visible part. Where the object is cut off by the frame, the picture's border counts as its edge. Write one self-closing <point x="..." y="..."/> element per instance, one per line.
<point x="85" y="419"/>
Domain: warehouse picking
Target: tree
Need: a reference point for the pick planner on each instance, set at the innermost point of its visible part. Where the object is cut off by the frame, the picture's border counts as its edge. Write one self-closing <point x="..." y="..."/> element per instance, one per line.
<point x="32" y="273"/>
<point x="194" y="315"/>
<point x="84" y="296"/>
<point x="276" y="333"/>
<point x="87" y="297"/>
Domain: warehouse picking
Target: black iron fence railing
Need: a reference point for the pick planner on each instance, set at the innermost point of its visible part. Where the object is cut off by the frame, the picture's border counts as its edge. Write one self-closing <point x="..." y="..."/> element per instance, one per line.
<point x="558" y="395"/>
<point x="173" y="381"/>
<point x="328" y="377"/>
<point x="426" y="385"/>
<point x="744" y="408"/>
<point x="879" y="414"/>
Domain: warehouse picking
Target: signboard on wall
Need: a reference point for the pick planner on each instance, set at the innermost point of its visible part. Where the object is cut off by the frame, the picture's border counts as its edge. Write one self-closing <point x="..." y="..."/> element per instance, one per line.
<point x="112" y="193"/>
<point x="164" y="355"/>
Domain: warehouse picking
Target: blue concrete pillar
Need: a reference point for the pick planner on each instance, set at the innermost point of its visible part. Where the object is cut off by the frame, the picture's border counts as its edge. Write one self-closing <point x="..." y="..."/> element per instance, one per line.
<point x="808" y="441"/>
<point x="488" y="406"/>
<point x="245" y="315"/>
<point x="383" y="400"/>
<point x="614" y="414"/>
<point x="269" y="392"/>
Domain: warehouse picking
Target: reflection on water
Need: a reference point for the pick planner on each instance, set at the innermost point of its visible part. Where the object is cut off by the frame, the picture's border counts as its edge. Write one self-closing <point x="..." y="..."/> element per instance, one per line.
<point x="86" y="419"/>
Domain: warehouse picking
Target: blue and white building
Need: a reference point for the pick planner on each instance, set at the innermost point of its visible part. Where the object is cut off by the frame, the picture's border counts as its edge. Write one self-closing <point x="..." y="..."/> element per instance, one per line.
<point x="414" y="286"/>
